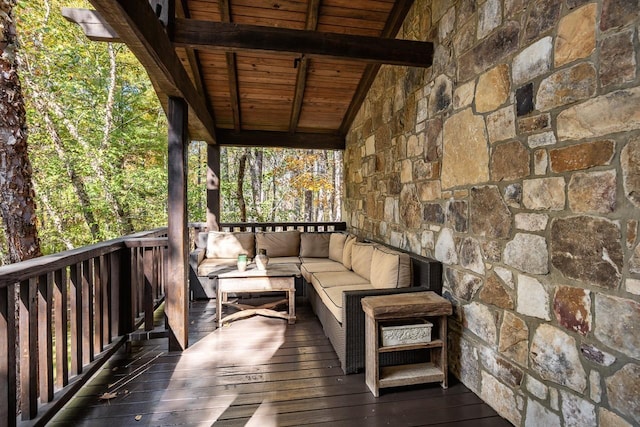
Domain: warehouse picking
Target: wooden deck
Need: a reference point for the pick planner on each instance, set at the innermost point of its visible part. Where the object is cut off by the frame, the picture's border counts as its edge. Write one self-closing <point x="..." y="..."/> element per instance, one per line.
<point x="261" y="372"/>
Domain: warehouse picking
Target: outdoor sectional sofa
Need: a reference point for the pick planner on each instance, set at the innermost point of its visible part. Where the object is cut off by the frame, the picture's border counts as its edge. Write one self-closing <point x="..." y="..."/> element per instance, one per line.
<point x="337" y="272"/>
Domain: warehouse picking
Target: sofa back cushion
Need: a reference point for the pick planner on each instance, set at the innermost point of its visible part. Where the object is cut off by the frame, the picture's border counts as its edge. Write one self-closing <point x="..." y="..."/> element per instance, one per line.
<point x="278" y="243"/>
<point x="314" y="245"/>
<point x="336" y="246"/>
<point x="228" y="244"/>
<point x="390" y="269"/>
<point x="347" y="251"/>
<point x="361" y="259"/>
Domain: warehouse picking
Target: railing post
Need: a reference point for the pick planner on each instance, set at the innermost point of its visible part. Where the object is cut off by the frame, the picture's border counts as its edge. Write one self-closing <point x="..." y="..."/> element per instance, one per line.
<point x="8" y="356"/>
<point x="60" y="299"/>
<point x="75" y="320"/>
<point x="148" y="296"/>
<point x="28" y="349"/>
<point x="122" y="307"/>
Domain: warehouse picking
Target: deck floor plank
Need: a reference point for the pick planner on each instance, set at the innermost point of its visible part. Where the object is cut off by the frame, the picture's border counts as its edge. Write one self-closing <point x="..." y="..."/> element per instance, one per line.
<point x="257" y="371"/>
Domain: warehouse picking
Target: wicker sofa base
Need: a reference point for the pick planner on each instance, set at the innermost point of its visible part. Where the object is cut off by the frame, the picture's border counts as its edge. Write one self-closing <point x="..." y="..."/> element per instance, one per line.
<point x="347" y="338"/>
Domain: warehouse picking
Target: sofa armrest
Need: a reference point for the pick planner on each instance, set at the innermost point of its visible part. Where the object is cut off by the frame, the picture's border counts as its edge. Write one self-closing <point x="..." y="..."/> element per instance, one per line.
<point x="353" y="322"/>
<point x="195" y="258"/>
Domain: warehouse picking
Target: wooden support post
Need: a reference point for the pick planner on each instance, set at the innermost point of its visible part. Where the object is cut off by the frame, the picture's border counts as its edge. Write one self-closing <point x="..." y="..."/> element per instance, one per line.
<point x="177" y="301"/>
<point x="213" y="187"/>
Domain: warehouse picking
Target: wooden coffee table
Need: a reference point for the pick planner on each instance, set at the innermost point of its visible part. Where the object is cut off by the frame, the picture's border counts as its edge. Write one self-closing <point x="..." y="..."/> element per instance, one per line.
<point x="276" y="278"/>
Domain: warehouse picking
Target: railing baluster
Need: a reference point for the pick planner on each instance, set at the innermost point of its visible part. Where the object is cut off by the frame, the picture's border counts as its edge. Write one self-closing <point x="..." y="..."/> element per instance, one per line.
<point x="87" y="312"/>
<point x="28" y="349"/>
<point x="60" y="299"/>
<point x="97" y="305"/>
<point x="45" y="336"/>
<point x="75" y="320"/>
<point x="115" y="281"/>
<point x="8" y="356"/>
<point x="147" y="298"/>
<point x="105" y="282"/>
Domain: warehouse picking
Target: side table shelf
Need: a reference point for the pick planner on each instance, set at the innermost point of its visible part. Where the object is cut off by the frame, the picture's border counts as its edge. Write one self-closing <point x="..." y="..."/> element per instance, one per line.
<point x="406" y="308"/>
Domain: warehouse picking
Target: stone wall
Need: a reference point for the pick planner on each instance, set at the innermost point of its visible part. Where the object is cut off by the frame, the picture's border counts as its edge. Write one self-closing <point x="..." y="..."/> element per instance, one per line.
<point x="515" y="160"/>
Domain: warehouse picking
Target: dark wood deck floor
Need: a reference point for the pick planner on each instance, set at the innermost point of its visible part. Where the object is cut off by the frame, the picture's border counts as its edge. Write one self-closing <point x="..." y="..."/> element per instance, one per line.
<point x="260" y="372"/>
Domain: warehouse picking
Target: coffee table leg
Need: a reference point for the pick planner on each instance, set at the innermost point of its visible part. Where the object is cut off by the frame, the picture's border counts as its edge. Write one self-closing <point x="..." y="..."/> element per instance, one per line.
<point x="292" y="305"/>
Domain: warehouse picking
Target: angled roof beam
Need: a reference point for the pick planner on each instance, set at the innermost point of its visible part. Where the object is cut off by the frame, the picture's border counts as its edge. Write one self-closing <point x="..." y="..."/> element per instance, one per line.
<point x="237" y="37"/>
<point x="232" y="70"/>
<point x="394" y="22"/>
<point x="301" y="140"/>
<point x="93" y="25"/>
<point x="137" y="25"/>
<point x="313" y="10"/>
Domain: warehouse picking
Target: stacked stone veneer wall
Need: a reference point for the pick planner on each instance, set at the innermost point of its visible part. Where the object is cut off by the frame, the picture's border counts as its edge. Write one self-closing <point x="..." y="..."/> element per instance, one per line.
<point x="515" y="160"/>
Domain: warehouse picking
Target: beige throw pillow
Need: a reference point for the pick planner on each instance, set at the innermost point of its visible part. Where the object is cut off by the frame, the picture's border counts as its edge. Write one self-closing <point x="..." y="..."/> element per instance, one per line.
<point x="390" y="269"/>
<point x="279" y="243"/>
<point x="314" y="245"/>
<point x="336" y="246"/>
<point x="226" y="244"/>
<point x="361" y="259"/>
<point x="348" y="248"/>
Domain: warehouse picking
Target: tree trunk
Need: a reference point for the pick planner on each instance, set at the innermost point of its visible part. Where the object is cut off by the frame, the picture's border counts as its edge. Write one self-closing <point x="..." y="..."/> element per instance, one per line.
<point x="242" y="166"/>
<point x="18" y="199"/>
<point x="337" y="185"/>
<point x="308" y="205"/>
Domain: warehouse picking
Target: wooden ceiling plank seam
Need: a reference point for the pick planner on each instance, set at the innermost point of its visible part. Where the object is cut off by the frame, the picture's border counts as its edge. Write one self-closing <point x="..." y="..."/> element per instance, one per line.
<point x="235" y="37"/>
<point x="319" y="141"/>
<point x="137" y="25"/>
<point x="313" y="12"/>
<point x="232" y="70"/>
<point x="396" y="18"/>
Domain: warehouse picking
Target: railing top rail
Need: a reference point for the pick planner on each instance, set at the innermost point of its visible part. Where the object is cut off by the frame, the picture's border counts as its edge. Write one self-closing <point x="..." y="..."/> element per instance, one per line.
<point x="13" y="273"/>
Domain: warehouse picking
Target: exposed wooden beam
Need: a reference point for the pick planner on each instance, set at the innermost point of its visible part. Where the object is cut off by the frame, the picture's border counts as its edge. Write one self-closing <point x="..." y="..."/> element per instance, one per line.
<point x="136" y="24"/>
<point x="92" y="23"/>
<point x="307" y="141"/>
<point x="237" y="37"/>
<point x="394" y="22"/>
<point x="232" y="70"/>
<point x="313" y="10"/>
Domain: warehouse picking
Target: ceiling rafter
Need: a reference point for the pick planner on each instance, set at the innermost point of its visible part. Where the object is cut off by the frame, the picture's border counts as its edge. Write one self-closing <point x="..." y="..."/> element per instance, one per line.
<point x="394" y="22"/>
<point x="137" y="25"/>
<point x="313" y="11"/>
<point x="232" y="70"/>
<point x="241" y="37"/>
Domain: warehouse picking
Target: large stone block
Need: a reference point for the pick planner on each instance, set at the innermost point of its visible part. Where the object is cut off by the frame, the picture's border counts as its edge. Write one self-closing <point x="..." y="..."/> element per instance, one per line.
<point x="446" y="248"/>
<point x="630" y="162"/>
<point x="493" y="89"/>
<point x="572" y="308"/>
<point x="527" y="253"/>
<point x="618" y="13"/>
<point x="441" y="96"/>
<point x="481" y="321"/>
<point x="611" y="113"/>
<point x="463" y="285"/>
<point x="555" y="357"/>
<point x="510" y="161"/>
<point x="616" y="324"/>
<point x="576" y="35"/>
<point x="457" y="215"/>
<point x="587" y="249"/>
<point x="595" y="355"/>
<point x="410" y="207"/>
<point x="471" y="255"/>
<point x="623" y="389"/>
<point x="532" y="62"/>
<point x="582" y="156"/>
<point x="567" y="86"/>
<point x="489" y="215"/>
<point x="617" y="59"/>
<point x="544" y="193"/>
<point x="499" y="44"/>
<point x="577" y="412"/>
<point x="538" y="415"/>
<point x="593" y="192"/>
<point x="465" y="157"/>
<point x="495" y="293"/>
<point x="489" y="17"/>
<point x="505" y="371"/>
<point x="514" y="338"/>
<point x="533" y="298"/>
<point x="543" y="15"/>
<point x="501" y="125"/>
<point x="501" y="398"/>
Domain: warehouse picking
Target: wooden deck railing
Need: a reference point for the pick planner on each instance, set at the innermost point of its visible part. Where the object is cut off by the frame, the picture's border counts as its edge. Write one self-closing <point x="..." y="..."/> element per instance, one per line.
<point x="75" y="309"/>
<point x="275" y="226"/>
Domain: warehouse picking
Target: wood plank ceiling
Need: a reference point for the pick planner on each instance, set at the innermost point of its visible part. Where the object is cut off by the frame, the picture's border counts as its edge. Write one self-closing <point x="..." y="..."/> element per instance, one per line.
<point x="290" y="73"/>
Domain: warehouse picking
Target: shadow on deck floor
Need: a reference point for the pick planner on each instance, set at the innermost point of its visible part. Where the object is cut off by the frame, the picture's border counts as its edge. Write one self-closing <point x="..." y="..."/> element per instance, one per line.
<point x="261" y="372"/>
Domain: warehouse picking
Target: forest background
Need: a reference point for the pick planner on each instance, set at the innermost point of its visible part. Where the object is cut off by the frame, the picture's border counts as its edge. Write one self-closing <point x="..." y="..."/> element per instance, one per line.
<point x="97" y="140"/>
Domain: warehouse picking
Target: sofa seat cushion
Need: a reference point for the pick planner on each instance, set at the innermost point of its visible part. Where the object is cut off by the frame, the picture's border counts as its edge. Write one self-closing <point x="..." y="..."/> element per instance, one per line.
<point x="309" y="268"/>
<point x="278" y="243"/>
<point x="332" y="297"/>
<point x="216" y="265"/>
<point x="284" y="260"/>
<point x="330" y="279"/>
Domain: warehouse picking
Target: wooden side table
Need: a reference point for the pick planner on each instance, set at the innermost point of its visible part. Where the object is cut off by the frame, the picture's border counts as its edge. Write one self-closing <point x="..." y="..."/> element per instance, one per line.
<point x="410" y="308"/>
